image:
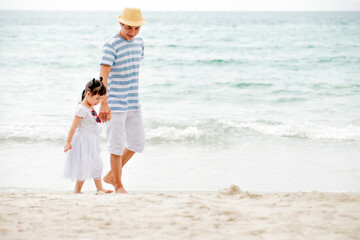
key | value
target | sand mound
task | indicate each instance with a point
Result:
(234, 190)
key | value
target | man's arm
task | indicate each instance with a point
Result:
(105, 112)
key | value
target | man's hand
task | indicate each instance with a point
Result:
(105, 112)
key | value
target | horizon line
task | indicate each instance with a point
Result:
(92, 10)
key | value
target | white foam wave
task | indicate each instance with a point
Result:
(191, 134)
(306, 130)
(33, 132)
(202, 131)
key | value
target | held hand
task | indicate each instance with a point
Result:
(105, 112)
(108, 117)
(67, 147)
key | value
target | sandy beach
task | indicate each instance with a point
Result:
(227, 214)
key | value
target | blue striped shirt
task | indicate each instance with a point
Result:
(123, 82)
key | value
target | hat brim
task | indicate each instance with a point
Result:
(131, 23)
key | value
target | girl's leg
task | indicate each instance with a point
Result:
(78, 186)
(99, 187)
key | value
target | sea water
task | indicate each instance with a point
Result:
(269, 101)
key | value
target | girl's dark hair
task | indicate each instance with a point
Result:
(94, 87)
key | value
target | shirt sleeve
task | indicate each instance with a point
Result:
(142, 50)
(108, 55)
(80, 112)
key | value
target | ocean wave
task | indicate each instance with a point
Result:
(33, 133)
(333, 59)
(208, 131)
(243, 85)
(255, 84)
(203, 131)
(201, 62)
(198, 131)
(290, 99)
(306, 130)
(219, 61)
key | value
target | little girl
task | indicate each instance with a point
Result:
(83, 160)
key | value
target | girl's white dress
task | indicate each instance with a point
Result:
(83, 160)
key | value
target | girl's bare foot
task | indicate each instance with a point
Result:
(78, 186)
(104, 190)
(78, 192)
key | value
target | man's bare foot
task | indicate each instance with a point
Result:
(109, 178)
(121, 190)
(105, 190)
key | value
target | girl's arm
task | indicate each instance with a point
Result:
(71, 133)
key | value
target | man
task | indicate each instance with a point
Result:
(121, 108)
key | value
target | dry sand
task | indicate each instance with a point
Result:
(227, 214)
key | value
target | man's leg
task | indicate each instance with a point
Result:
(135, 138)
(115, 132)
(116, 163)
(125, 158)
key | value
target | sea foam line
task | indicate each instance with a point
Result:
(202, 131)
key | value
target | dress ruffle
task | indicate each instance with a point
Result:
(83, 161)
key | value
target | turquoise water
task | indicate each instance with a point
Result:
(267, 101)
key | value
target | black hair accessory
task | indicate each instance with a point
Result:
(101, 79)
(93, 81)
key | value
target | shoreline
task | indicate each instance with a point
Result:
(226, 214)
(165, 191)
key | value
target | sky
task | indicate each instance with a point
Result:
(184, 5)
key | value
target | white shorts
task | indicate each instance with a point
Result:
(125, 129)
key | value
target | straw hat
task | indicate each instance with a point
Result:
(132, 17)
